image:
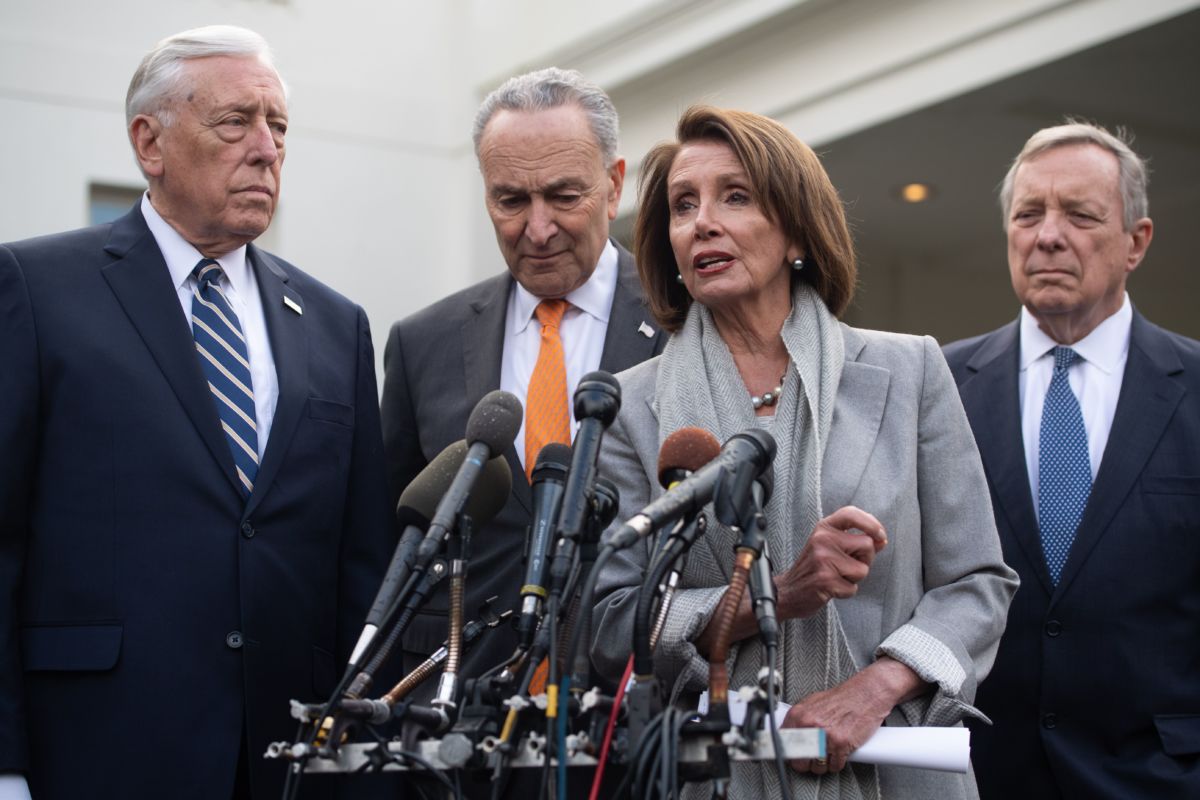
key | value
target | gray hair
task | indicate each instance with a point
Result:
(158, 76)
(1132, 170)
(551, 88)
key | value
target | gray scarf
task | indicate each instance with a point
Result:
(698, 384)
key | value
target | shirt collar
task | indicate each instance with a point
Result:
(594, 297)
(182, 257)
(1105, 347)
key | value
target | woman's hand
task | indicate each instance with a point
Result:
(852, 711)
(836, 557)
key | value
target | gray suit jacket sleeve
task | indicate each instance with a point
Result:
(629, 458)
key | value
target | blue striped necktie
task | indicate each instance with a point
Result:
(222, 350)
(1064, 469)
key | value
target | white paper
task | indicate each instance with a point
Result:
(943, 749)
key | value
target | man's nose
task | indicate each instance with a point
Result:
(540, 227)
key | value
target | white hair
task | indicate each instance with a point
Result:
(1131, 168)
(552, 88)
(158, 77)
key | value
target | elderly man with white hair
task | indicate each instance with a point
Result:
(193, 501)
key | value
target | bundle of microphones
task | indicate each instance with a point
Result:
(539, 708)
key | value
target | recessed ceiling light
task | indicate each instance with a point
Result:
(916, 192)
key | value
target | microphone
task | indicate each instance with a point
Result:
(762, 588)
(753, 450)
(683, 452)
(597, 401)
(549, 484)
(490, 429)
(418, 502)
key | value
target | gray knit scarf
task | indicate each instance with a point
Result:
(698, 384)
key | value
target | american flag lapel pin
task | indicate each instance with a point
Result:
(645, 330)
(293, 305)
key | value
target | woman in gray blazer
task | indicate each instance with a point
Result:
(892, 593)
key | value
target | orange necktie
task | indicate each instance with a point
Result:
(546, 416)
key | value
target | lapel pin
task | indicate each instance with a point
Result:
(645, 330)
(293, 305)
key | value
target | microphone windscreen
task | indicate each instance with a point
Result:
(555, 455)
(421, 497)
(490, 492)
(495, 421)
(687, 449)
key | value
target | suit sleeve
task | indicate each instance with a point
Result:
(401, 441)
(19, 398)
(368, 530)
(955, 629)
(676, 659)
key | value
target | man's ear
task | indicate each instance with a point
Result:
(616, 175)
(145, 133)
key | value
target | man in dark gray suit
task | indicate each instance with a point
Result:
(547, 149)
(1088, 420)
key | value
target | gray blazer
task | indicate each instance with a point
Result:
(901, 448)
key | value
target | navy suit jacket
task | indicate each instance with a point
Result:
(438, 364)
(1096, 688)
(150, 614)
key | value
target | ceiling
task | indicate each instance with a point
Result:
(939, 267)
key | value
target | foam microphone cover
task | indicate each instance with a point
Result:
(490, 493)
(686, 450)
(556, 454)
(420, 498)
(495, 421)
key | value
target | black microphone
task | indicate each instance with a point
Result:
(549, 484)
(753, 449)
(490, 429)
(597, 401)
(418, 502)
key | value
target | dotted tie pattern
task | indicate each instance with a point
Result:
(547, 418)
(222, 350)
(1064, 471)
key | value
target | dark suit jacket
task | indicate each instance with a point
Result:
(1096, 688)
(438, 364)
(149, 613)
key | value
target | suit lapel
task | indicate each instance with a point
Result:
(289, 349)
(626, 342)
(857, 415)
(992, 401)
(1149, 396)
(142, 284)
(483, 355)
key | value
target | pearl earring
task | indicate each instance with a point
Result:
(678, 277)
(798, 264)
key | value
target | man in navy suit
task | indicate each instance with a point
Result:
(1088, 420)
(193, 499)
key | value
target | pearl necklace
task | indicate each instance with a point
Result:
(769, 398)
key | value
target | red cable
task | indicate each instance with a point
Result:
(608, 732)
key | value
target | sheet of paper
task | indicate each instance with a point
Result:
(943, 749)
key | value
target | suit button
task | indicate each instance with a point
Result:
(248, 530)
(1053, 628)
(233, 640)
(1049, 721)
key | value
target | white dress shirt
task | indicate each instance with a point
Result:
(241, 289)
(582, 331)
(1095, 379)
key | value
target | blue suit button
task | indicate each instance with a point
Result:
(248, 530)
(1053, 628)
(233, 640)
(1049, 721)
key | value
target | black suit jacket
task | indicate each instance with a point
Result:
(1096, 688)
(150, 614)
(437, 365)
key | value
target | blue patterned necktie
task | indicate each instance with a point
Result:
(1064, 470)
(222, 350)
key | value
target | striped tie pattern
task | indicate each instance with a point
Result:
(222, 350)
(1064, 468)
(547, 418)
